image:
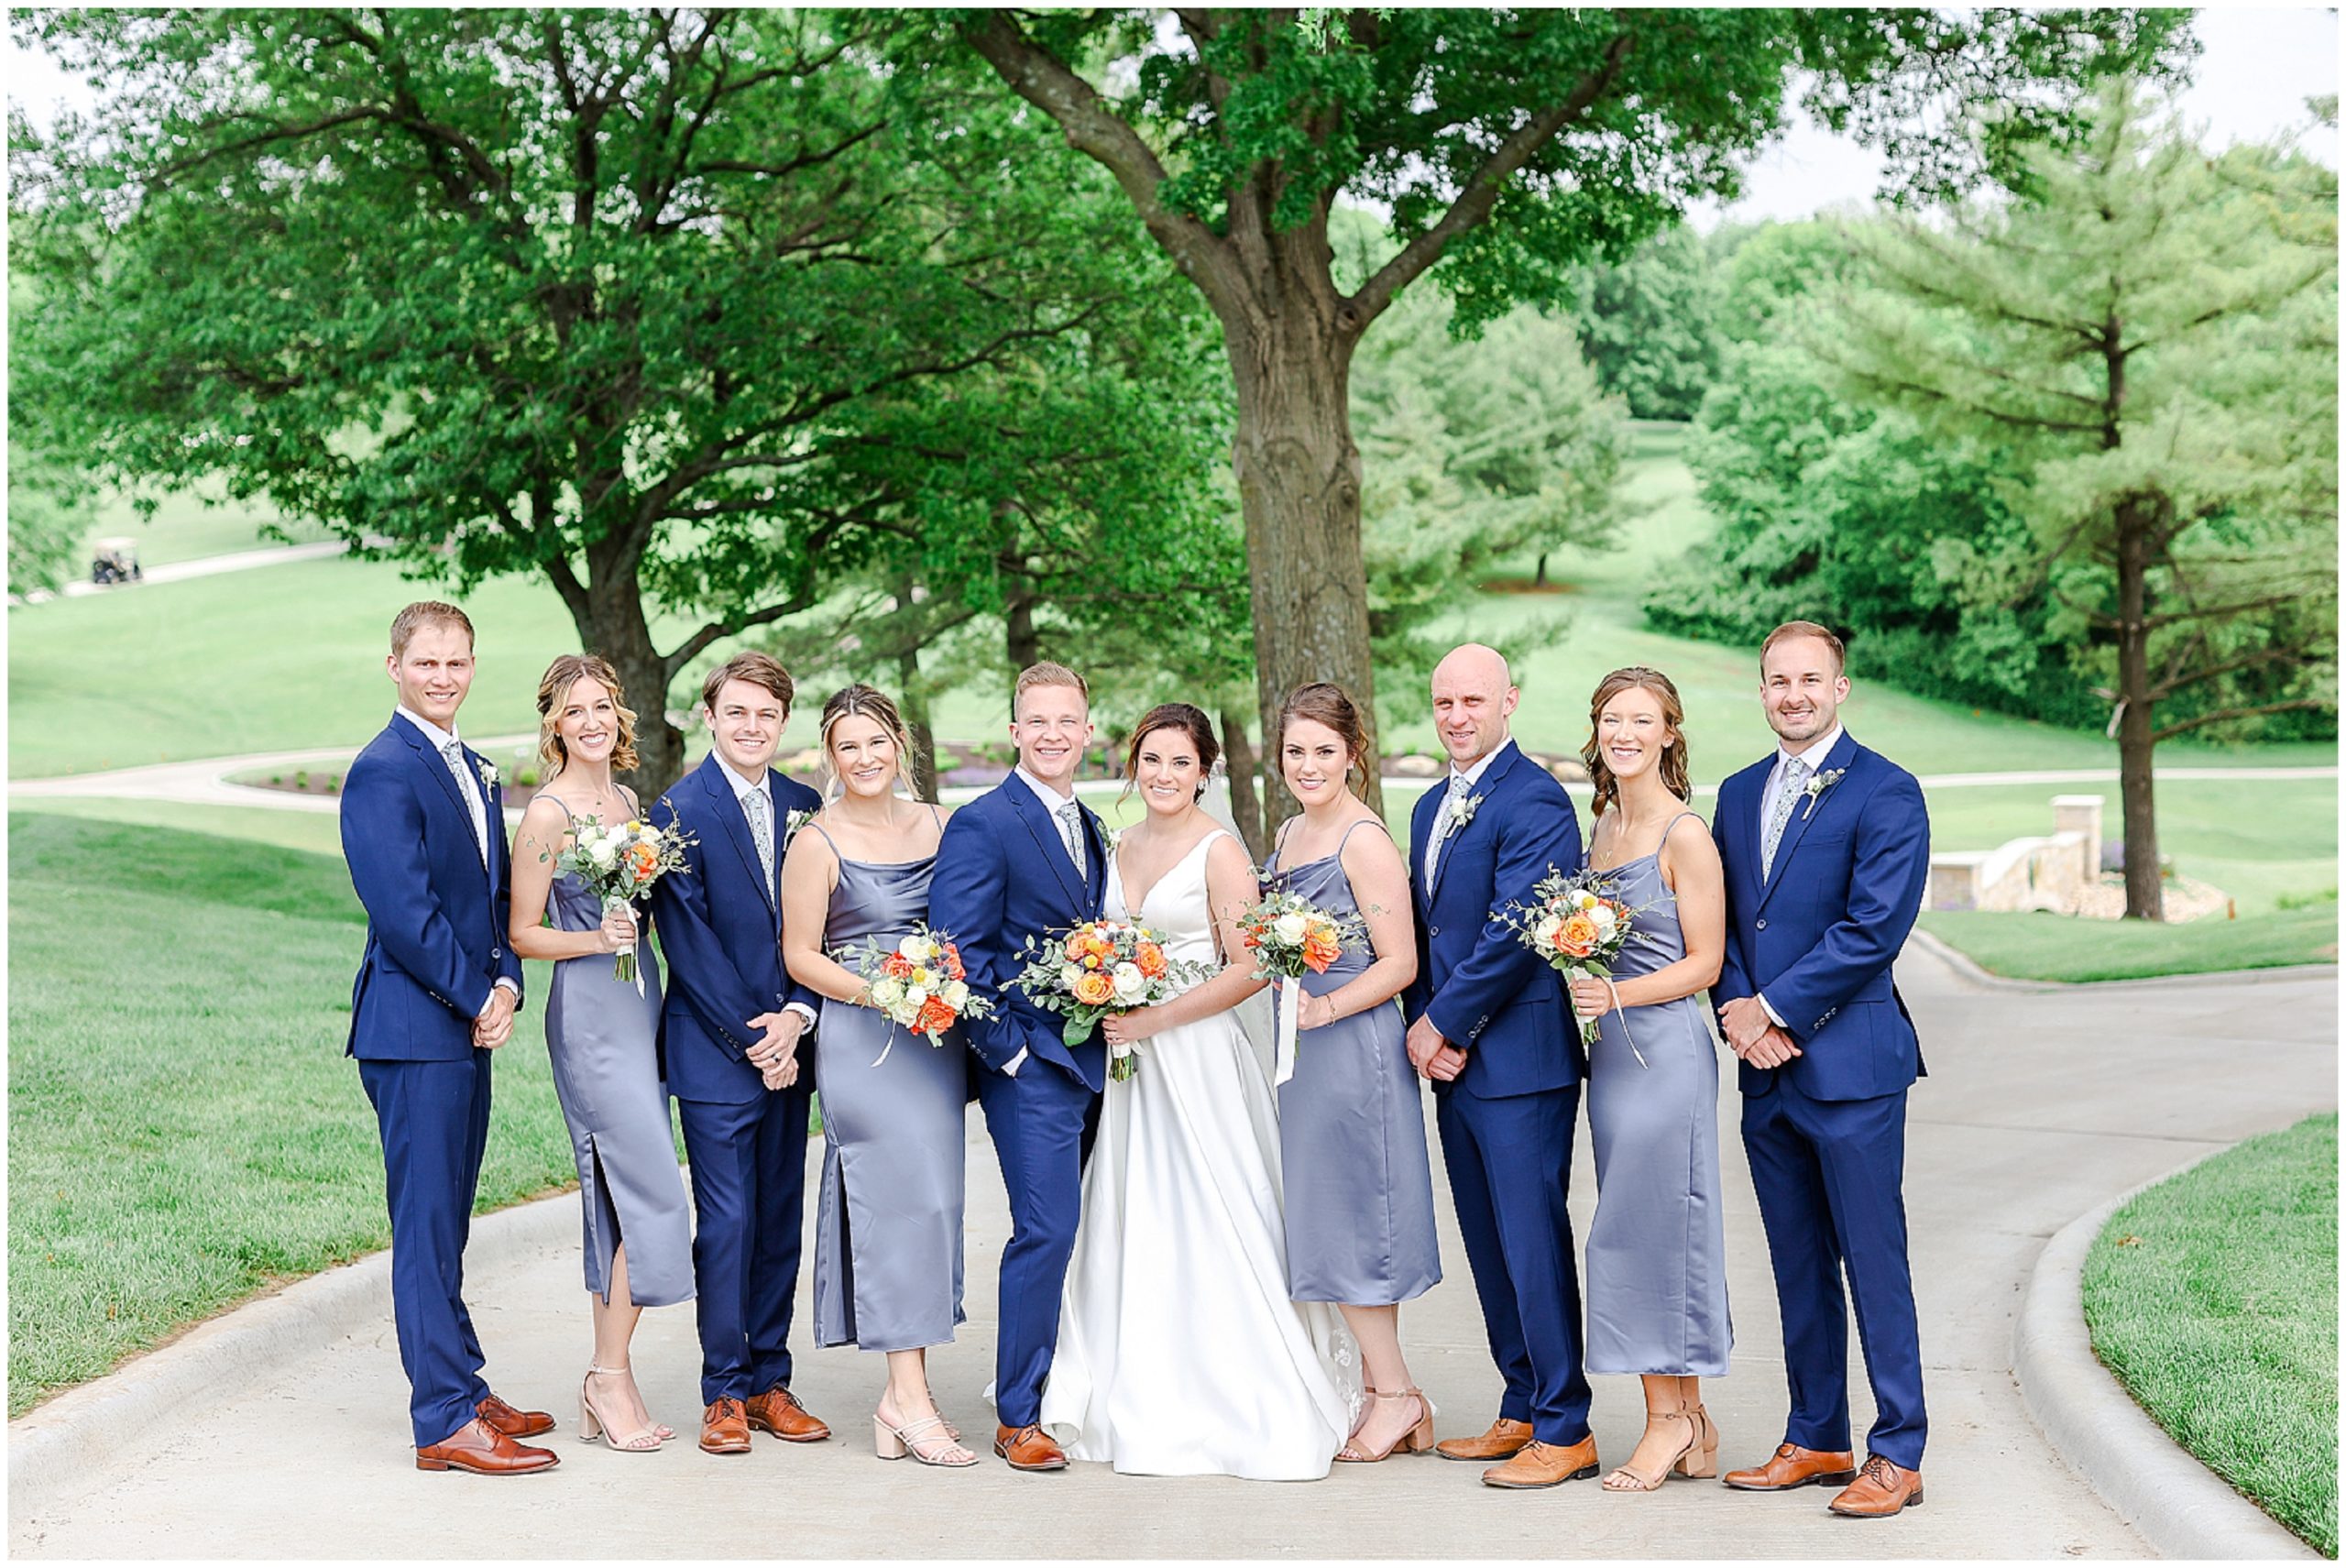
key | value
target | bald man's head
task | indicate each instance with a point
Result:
(1472, 695)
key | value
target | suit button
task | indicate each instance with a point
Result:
(496, 952)
(1433, 930)
(1763, 925)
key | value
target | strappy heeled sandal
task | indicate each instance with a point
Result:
(891, 1442)
(1418, 1438)
(1692, 1459)
(592, 1423)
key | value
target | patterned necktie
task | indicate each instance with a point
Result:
(1071, 831)
(454, 751)
(1453, 798)
(1788, 790)
(752, 806)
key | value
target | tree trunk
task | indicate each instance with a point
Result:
(1018, 634)
(1540, 578)
(1299, 487)
(920, 768)
(1246, 800)
(615, 627)
(2143, 900)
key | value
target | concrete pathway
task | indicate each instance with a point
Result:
(2040, 1106)
(206, 566)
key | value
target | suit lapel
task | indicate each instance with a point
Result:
(727, 807)
(434, 763)
(1796, 827)
(1045, 833)
(1480, 792)
(1095, 842)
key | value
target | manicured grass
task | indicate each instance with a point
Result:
(2030, 946)
(185, 529)
(183, 1127)
(2214, 1299)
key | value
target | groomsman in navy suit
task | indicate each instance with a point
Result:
(1021, 859)
(423, 831)
(729, 1032)
(1827, 848)
(1489, 1024)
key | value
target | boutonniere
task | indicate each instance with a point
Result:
(490, 778)
(1817, 784)
(1462, 816)
(794, 821)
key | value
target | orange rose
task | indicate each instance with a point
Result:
(1579, 937)
(1094, 988)
(898, 967)
(933, 1017)
(953, 963)
(1150, 959)
(1318, 951)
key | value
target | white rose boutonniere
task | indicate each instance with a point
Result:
(794, 822)
(1462, 816)
(490, 778)
(1818, 782)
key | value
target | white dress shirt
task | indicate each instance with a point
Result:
(1472, 776)
(1053, 800)
(475, 801)
(756, 797)
(1813, 754)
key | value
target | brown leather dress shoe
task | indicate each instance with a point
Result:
(724, 1427)
(1028, 1448)
(1540, 1464)
(1792, 1467)
(502, 1417)
(777, 1411)
(1504, 1441)
(482, 1450)
(1881, 1490)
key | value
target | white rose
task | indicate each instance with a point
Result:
(1069, 974)
(648, 834)
(888, 993)
(1605, 919)
(1290, 929)
(1130, 984)
(1551, 930)
(914, 995)
(955, 994)
(602, 851)
(913, 947)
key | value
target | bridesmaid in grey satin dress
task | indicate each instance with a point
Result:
(602, 1035)
(1358, 1185)
(888, 1224)
(1656, 1275)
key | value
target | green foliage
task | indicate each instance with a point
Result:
(696, 308)
(45, 527)
(1649, 324)
(2214, 1297)
(1473, 453)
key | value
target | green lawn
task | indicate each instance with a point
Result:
(183, 1127)
(185, 528)
(2214, 1299)
(2028, 945)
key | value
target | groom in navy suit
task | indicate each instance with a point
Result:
(1021, 859)
(1827, 850)
(423, 831)
(1488, 1023)
(729, 1032)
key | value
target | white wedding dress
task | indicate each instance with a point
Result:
(1179, 1350)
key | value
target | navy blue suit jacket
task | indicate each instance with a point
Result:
(1004, 875)
(1483, 988)
(1819, 937)
(720, 929)
(435, 915)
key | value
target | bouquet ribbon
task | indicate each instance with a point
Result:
(1289, 1000)
(625, 966)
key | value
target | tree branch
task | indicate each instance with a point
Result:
(2296, 705)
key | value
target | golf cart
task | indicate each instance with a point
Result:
(115, 561)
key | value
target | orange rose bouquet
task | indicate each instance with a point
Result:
(1099, 968)
(619, 863)
(1291, 936)
(1577, 924)
(919, 984)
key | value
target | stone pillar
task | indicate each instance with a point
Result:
(2082, 812)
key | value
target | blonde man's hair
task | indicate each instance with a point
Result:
(1792, 629)
(1046, 673)
(421, 614)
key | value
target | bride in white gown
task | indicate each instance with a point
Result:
(1179, 1350)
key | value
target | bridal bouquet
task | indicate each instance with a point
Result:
(917, 983)
(1097, 967)
(1290, 937)
(1576, 925)
(618, 863)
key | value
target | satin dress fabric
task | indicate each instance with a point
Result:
(1358, 1182)
(603, 1040)
(1657, 1249)
(888, 1221)
(1180, 1352)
